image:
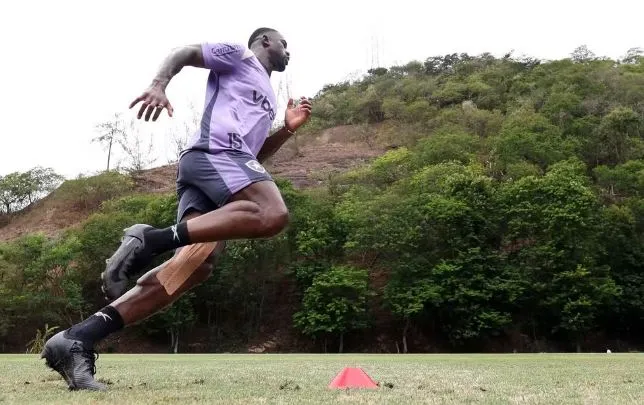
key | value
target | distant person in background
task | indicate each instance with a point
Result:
(224, 192)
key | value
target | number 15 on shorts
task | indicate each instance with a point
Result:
(235, 140)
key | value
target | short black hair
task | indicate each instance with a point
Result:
(257, 33)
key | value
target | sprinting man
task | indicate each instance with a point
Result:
(223, 190)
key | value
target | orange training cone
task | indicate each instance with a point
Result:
(351, 377)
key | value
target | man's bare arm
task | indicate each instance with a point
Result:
(294, 117)
(273, 143)
(189, 55)
(154, 98)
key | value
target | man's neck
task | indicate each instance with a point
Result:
(263, 59)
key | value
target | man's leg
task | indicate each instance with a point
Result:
(148, 296)
(264, 203)
(256, 209)
(71, 352)
(255, 212)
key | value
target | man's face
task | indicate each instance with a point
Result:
(278, 55)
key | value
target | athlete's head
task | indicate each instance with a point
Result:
(270, 47)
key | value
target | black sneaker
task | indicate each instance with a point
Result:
(72, 360)
(126, 262)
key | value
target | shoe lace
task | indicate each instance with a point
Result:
(90, 355)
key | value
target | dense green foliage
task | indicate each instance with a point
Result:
(335, 303)
(19, 189)
(509, 213)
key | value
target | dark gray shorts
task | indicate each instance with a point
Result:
(206, 181)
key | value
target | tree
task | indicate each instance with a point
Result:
(12, 191)
(40, 181)
(174, 320)
(447, 145)
(335, 304)
(109, 132)
(617, 138)
(529, 136)
(179, 136)
(20, 189)
(623, 180)
(138, 155)
(408, 292)
(552, 241)
(474, 297)
(315, 234)
(623, 236)
(177, 318)
(582, 54)
(379, 71)
(393, 107)
(633, 56)
(577, 296)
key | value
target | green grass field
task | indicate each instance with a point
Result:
(303, 379)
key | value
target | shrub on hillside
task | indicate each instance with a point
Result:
(88, 193)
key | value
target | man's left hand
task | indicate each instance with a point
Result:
(296, 116)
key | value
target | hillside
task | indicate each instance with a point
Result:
(331, 150)
(501, 209)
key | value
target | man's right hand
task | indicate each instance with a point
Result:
(154, 100)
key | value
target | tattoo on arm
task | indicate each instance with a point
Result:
(189, 55)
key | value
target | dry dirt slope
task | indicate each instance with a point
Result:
(304, 163)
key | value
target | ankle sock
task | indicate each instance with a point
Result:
(158, 241)
(98, 326)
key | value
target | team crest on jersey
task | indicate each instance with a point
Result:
(254, 165)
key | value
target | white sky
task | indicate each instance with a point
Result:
(66, 65)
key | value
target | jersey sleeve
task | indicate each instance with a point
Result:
(222, 56)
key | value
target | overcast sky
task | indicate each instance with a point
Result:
(67, 65)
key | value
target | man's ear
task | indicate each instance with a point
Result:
(265, 41)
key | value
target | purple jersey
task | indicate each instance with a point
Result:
(240, 102)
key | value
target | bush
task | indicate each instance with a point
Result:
(89, 192)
